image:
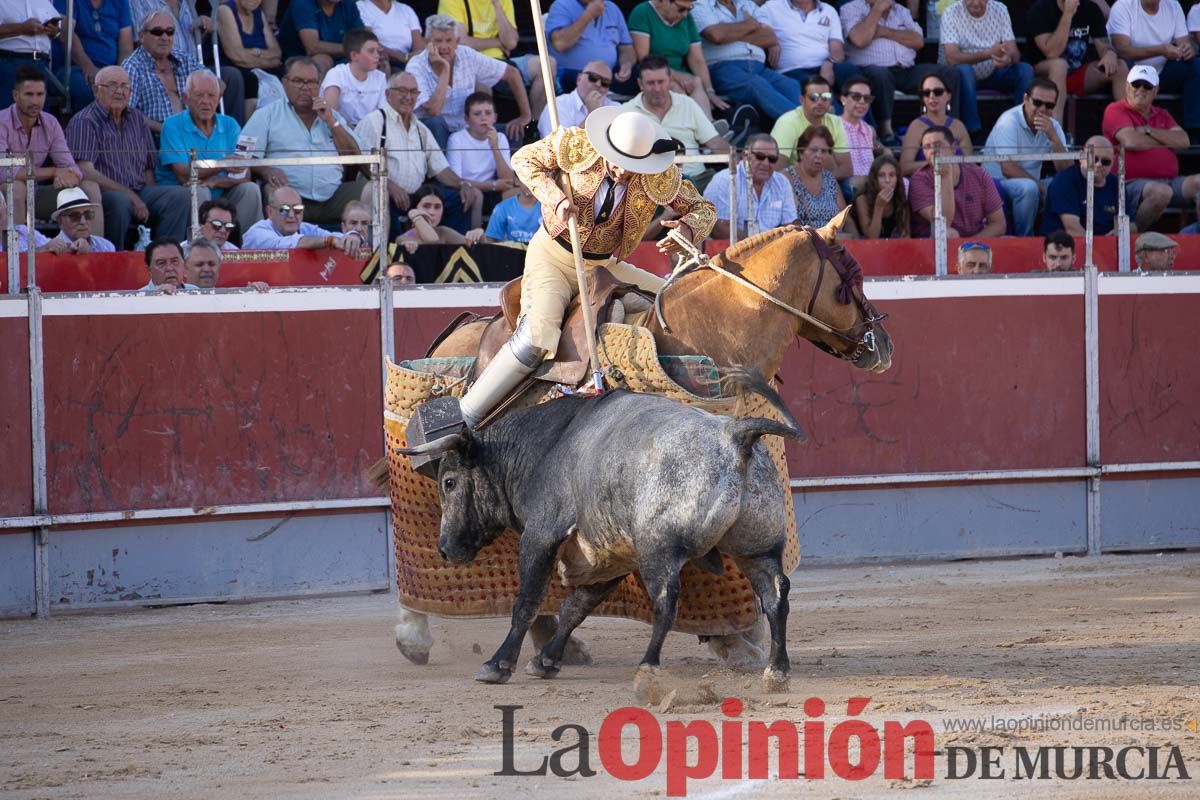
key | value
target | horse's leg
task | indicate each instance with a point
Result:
(743, 651)
(413, 636)
(576, 652)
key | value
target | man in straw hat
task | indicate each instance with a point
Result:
(74, 216)
(620, 169)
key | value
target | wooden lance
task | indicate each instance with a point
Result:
(585, 293)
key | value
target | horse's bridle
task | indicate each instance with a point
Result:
(860, 338)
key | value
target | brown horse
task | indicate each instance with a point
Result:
(714, 315)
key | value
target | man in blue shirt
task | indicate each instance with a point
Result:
(1027, 128)
(103, 37)
(199, 127)
(1066, 199)
(285, 228)
(515, 219)
(765, 198)
(593, 31)
(316, 28)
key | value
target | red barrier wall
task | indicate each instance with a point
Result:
(166, 410)
(127, 271)
(16, 453)
(976, 383)
(1149, 383)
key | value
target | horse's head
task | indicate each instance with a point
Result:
(836, 298)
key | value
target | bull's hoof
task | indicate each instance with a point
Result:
(414, 641)
(775, 681)
(493, 673)
(539, 667)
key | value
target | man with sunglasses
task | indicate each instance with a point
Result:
(1066, 199)
(1154, 33)
(765, 199)
(590, 93)
(1024, 130)
(216, 222)
(285, 228)
(974, 258)
(156, 74)
(816, 101)
(74, 217)
(1151, 137)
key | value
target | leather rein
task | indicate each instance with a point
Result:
(860, 338)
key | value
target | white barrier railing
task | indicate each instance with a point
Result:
(376, 159)
(11, 250)
(730, 160)
(939, 219)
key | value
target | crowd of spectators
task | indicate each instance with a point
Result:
(805, 90)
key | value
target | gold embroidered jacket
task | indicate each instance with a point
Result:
(567, 151)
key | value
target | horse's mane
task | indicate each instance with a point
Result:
(758, 240)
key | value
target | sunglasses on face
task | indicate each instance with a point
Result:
(160, 31)
(1145, 86)
(765, 157)
(936, 92)
(816, 96)
(600, 79)
(286, 210)
(1104, 162)
(76, 216)
(859, 97)
(220, 225)
(1047, 105)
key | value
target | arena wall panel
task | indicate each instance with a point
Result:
(1150, 513)
(266, 556)
(17, 594)
(16, 455)
(163, 410)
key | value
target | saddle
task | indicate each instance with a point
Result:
(570, 363)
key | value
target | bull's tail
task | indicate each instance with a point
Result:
(747, 431)
(752, 381)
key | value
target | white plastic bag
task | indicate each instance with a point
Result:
(270, 88)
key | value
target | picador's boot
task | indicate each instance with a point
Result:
(438, 425)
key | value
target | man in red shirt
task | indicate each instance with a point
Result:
(1151, 137)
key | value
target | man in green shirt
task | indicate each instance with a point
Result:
(816, 99)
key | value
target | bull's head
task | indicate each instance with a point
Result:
(472, 506)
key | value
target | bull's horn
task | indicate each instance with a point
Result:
(443, 445)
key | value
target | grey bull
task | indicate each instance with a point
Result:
(629, 473)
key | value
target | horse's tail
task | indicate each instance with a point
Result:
(752, 381)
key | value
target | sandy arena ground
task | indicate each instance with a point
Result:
(310, 698)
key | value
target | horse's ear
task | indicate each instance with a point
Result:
(829, 232)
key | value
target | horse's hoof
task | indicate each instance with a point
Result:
(493, 673)
(775, 681)
(576, 653)
(414, 642)
(539, 667)
(737, 652)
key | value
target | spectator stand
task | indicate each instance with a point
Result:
(376, 160)
(11, 249)
(939, 219)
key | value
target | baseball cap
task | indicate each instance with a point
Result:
(1143, 72)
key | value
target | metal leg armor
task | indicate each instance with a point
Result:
(437, 425)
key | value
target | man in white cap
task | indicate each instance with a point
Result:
(74, 216)
(620, 170)
(1151, 137)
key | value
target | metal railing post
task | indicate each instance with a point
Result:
(733, 196)
(1089, 225)
(387, 345)
(380, 226)
(194, 194)
(37, 427)
(30, 250)
(11, 256)
(939, 222)
(1122, 214)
